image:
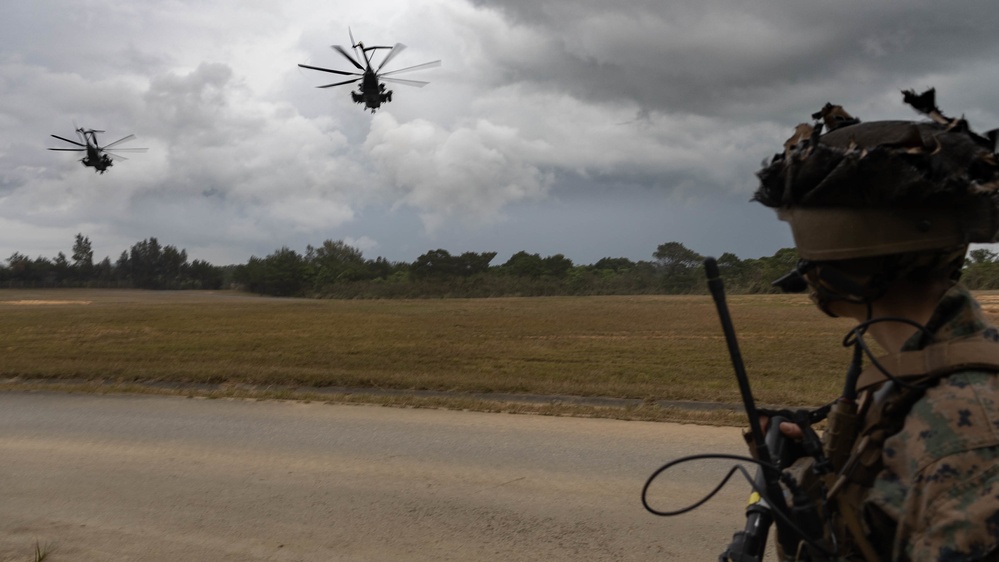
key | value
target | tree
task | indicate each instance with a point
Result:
(103, 274)
(523, 264)
(381, 268)
(617, 265)
(123, 269)
(731, 269)
(149, 265)
(144, 262)
(471, 263)
(981, 269)
(436, 263)
(83, 256)
(60, 269)
(981, 255)
(334, 262)
(204, 275)
(759, 274)
(674, 256)
(557, 265)
(280, 274)
(172, 268)
(680, 267)
(20, 269)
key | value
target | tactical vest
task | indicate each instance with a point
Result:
(856, 433)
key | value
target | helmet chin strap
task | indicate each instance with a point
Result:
(829, 285)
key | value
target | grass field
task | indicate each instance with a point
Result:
(649, 347)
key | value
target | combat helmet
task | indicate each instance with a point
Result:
(882, 198)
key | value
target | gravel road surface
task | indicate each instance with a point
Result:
(126, 477)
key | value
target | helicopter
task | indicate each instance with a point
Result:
(98, 157)
(372, 91)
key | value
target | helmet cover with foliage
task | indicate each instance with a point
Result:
(885, 195)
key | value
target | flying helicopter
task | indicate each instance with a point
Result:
(98, 157)
(372, 91)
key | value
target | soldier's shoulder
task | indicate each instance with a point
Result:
(960, 413)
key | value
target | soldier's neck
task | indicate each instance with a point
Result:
(915, 302)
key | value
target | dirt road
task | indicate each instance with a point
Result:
(123, 477)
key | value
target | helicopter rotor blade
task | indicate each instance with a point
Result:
(395, 51)
(416, 83)
(340, 83)
(115, 156)
(343, 52)
(70, 149)
(343, 72)
(430, 64)
(129, 149)
(353, 44)
(119, 141)
(69, 141)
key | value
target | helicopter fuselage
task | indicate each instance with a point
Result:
(99, 163)
(373, 93)
(95, 158)
(371, 90)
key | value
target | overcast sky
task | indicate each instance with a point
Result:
(582, 127)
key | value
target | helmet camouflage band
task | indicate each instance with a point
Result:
(884, 187)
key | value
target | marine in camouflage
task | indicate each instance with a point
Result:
(937, 498)
(873, 205)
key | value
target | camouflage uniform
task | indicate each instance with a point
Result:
(869, 205)
(938, 493)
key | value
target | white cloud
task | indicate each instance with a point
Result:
(471, 172)
(570, 106)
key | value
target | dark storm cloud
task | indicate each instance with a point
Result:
(742, 61)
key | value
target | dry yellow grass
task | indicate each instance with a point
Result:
(646, 347)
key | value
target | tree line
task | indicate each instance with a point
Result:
(335, 269)
(146, 265)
